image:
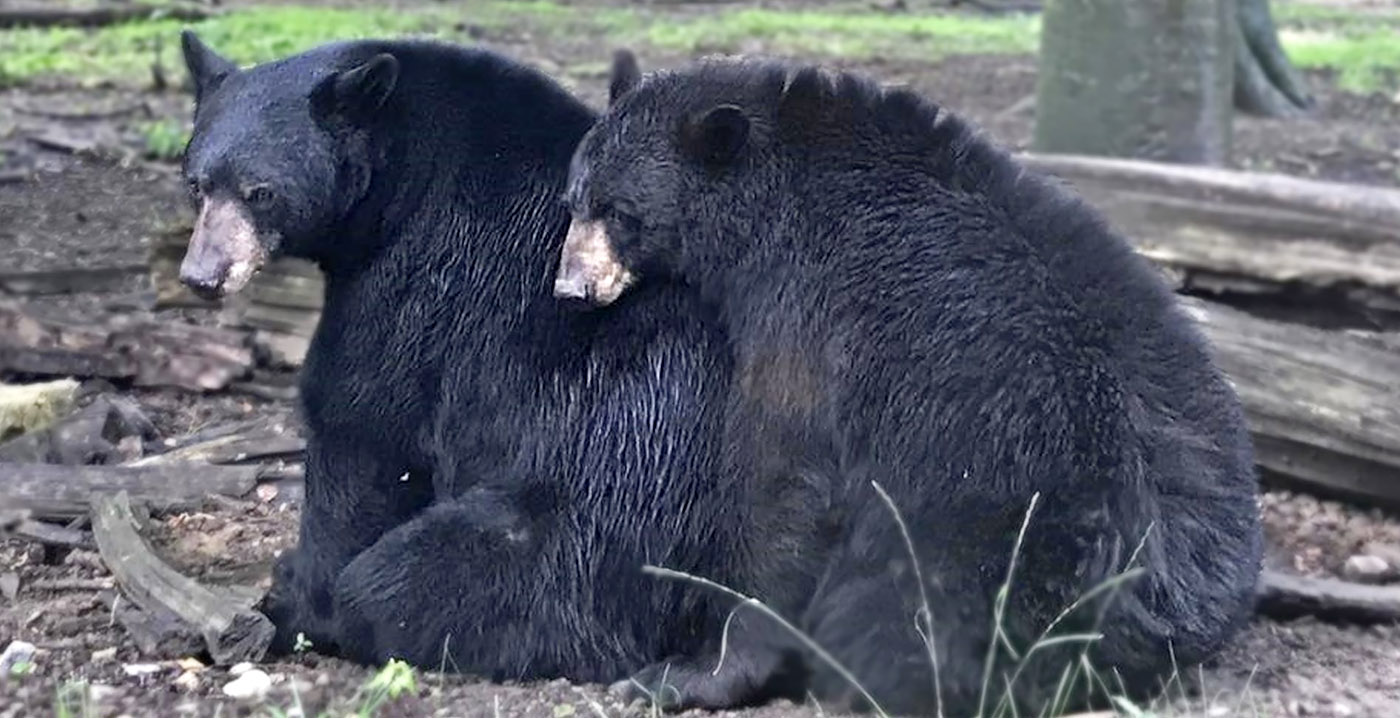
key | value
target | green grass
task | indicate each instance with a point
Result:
(72, 700)
(1332, 16)
(128, 51)
(1360, 46)
(165, 139)
(854, 35)
(1364, 62)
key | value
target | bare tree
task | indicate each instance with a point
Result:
(1157, 79)
(1266, 83)
(1152, 79)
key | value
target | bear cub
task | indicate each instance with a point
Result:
(914, 315)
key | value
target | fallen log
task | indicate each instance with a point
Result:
(147, 353)
(281, 305)
(232, 631)
(167, 251)
(52, 534)
(1285, 596)
(41, 16)
(61, 492)
(69, 281)
(1323, 406)
(258, 445)
(1251, 232)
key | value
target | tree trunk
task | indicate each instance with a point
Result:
(1149, 79)
(1265, 81)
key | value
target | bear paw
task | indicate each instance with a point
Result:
(679, 683)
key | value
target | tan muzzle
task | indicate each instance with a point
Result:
(588, 267)
(224, 251)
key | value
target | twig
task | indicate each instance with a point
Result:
(72, 584)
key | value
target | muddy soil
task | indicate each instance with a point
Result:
(85, 196)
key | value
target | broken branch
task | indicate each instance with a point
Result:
(231, 629)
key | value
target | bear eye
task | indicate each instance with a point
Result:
(627, 221)
(258, 195)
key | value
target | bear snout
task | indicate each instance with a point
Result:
(588, 267)
(224, 251)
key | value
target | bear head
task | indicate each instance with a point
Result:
(278, 156)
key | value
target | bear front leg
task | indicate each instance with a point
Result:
(456, 587)
(355, 493)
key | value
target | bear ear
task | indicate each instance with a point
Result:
(206, 67)
(625, 75)
(716, 136)
(801, 103)
(356, 94)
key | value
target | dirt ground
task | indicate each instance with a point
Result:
(82, 195)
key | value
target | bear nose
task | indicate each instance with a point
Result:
(206, 287)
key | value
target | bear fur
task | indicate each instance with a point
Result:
(912, 312)
(488, 469)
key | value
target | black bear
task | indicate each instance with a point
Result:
(488, 469)
(912, 312)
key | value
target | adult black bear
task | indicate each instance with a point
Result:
(908, 306)
(488, 469)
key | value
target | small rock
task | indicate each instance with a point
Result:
(188, 681)
(252, 686)
(142, 669)
(99, 692)
(16, 656)
(9, 585)
(239, 669)
(266, 492)
(104, 655)
(130, 448)
(1364, 568)
(1388, 552)
(1341, 709)
(1217, 712)
(190, 664)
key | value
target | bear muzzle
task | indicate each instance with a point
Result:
(588, 267)
(224, 251)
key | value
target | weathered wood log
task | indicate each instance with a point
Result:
(1284, 596)
(158, 633)
(1323, 406)
(69, 281)
(55, 492)
(52, 534)
(259, 445)
(147, 353)
(167, 251)
(284, 320)
(283, 350)
(42, 16)
(281, 305)
(288, 289)
(1246, 230)
(231, 629)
